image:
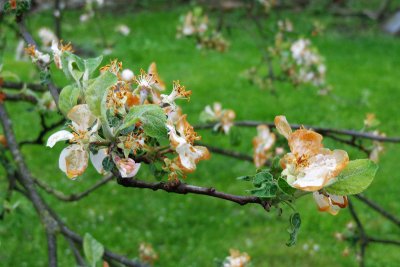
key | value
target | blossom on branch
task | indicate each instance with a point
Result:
(262, 145)
(309, 166)
(236, 259)
(223, 117)
(74, 158)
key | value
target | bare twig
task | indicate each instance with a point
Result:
(320, 130)
(182, 188)
(228, 153)
(73, 197)
(19, 86)
(363, 238)
(379, 209)
(45, 129)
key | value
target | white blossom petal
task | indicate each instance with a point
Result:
(73, 160)
(97, 160)
(62, 135)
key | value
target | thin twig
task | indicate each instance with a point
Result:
(73, 197)
(379, 209)
(228, 153)
(320, 130)
(182, 188)
(19, 85)
(39, 140)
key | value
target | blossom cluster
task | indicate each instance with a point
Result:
(223, 118)
(236, 259)
(298, 59)
(195, 24)
(120, 120)
(310, 167)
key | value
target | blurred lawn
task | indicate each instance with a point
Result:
(194, 230)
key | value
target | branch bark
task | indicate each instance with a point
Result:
(321, 130)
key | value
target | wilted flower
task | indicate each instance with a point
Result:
(182, 137)
(47, 36)
(236, 259)
(377, 149)
(74, 158)
(371, 121)
(330, 203)
(262, 144)
(309, 166)
(36, 55)
(178, 92)
(147, 253)
(223, 117)
(127, 167)
(58, 49)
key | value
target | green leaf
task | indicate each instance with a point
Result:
(295, 223)
(267, 190)
(68, 98)
(96, 91)
(244, 178)
(355, 178)
(285, 187)
(152, 117)
(90, 65)
(93, 249)
(261, 178)
(73, 66)
(108, 164)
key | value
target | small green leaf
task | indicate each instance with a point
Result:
(90, 65)
(267, 190)
(96, 91)
(68, 98)
(295, 223)
(244, 178)
(354, 179)
(152, 117)
(73, 66)
(108, 164)
(261, 178)
(93, 249)
(285, 187)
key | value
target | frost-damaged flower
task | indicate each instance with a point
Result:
(74, 158)
(262, 144)
(147, 253)
(330, 203)
(150, 84)
(236, 259)
(47, 36)
(58, 49)
(309, 166)
(182, 137)
(36, 55)
(223, 117)
(178, 92)
(127, 167)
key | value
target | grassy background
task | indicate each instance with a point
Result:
(194, 230)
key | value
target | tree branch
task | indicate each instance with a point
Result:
(182, 188)
(320, 130)
(378, 208)
(73, 197)
(30, 41)
(19, 86)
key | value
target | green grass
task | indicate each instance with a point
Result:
(194, 230)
